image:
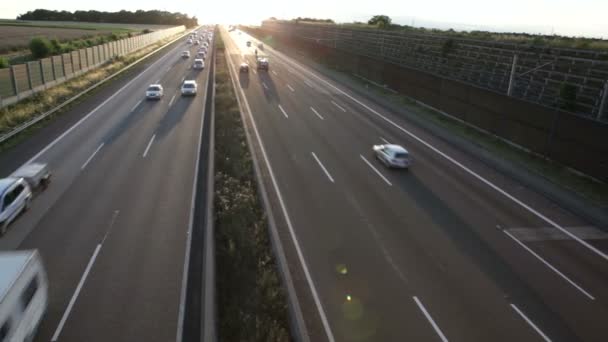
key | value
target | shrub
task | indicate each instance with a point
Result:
(40, 47)
(56, 46)
(3, 63)
(113, 37)
(146, 31)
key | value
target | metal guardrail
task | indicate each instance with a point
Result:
(44, 115)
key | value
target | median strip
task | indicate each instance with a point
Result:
(251, 300)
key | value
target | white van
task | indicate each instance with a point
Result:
(23, 295)
(15, 197)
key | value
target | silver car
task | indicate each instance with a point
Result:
(155, 91)
(15, 197)
(189, 87)
(393, 155)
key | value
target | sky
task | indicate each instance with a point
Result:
(565, 17)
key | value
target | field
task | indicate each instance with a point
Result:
(16, 34)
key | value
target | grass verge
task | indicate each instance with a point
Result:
(27, 109)
(592, 190)
(251, 301)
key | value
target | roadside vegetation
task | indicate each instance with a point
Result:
(23, 111)
(594, 191)
(251, 301)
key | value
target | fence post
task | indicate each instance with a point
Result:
(512, 78)
(14, 81)
(603, 102)
(29, 75)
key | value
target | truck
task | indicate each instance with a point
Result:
(23, 295)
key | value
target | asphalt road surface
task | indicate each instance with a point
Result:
(448, 250)
(112, 227)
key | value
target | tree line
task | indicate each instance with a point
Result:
(154, 17)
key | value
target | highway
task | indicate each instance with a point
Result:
(449, 250)
(112, 228)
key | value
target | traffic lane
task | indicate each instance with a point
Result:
(140, 262)
(67, 157)
(333, 152)
(344, 252)
(592, 263)
(57, 226)
(11, 159)
(315, 210)
(469, 209)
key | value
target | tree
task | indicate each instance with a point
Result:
(382, 21)
(40, 47)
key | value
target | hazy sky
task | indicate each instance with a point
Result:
(568, 17)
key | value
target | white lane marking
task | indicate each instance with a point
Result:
(290, 88)
(91, 157)
(315, 295)
(136, 105)
(290, 70)
(255, 72)
(114, 216)
(274, 72)
(75, 295)
(549, 265)
(183, 79)
(308, 83)
(375, 170)
(457, 163)
(430, 319)
(337, 105)
(283, 111)
(530, 323)
(322, 167)
(119, 91)
(148, 147)
(315, 111)
(169, 67)
(384, 140)
(157, 81)
(171, 102)
(264, 85)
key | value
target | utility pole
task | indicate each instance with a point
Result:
(512, 78)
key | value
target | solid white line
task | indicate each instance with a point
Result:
(308, 83)
(134, 107)
(549, 265)
(385, 141)
(282, 110)
(430, 319)
(315, 111)
(264, 85)
(91, 157)
(322, 167)
(149, 144)
(75, 295)
(292, 233)
(171, 102)
(457, 163)
(530, 323)
(119, 91)
(376, 170)
(290, 88)
(337, 105)
(274, 72)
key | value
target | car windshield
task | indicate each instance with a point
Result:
(188, 85)
(155, 88)
(401, 155)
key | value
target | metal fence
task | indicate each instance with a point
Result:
(540, 73)
(23, 80)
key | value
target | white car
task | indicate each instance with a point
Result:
(189, 41)
(15, 197)
(185, 54)
(189, 87)
(198, 64)
(155, 91)
(201, 54)
(393, 155)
